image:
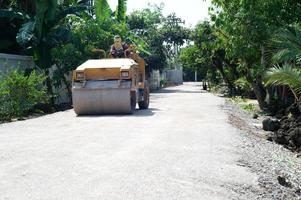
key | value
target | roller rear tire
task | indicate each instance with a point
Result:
(133, 101)
(145, 103)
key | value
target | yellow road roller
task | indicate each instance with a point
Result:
(110, 86)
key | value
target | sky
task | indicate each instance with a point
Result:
(191, 11)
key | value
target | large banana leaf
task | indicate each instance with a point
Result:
(102, 9)
(26, 33)
(121, 10)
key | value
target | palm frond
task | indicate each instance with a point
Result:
(285, 45)
(286, 76)
(102, 9)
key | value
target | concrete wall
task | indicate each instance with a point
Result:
(154, 80)
(8, 61)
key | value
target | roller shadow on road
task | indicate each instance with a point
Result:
(138, 113)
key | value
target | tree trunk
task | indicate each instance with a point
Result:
(49, 87)
(258, 88)
(219, 66)
(263, 61)
(260, 93)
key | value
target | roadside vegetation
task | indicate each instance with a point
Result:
(20, 92)
(252, 49)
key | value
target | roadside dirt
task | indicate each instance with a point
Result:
(278, 169)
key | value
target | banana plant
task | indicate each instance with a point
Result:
(44, 31)
(103, 10)
(10, 21)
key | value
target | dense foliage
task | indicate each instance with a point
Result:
(163, 36)
(19, 93)
(243, 41)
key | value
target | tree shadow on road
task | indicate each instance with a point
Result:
(165, 90)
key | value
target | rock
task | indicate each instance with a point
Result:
(279, 137)
(279, 116)
(298, 192)
(14, 120)
(255, 116)
(296, 137)
(282, 181)
(289, 134)
(294, 110)
(299, 119)
(270, 124)
(270, 138)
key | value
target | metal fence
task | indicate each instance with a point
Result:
(174, 76)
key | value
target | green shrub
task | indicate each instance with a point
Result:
(249, 107)
(237, 100)
(245, 86)
(163, 82)
(20, 93)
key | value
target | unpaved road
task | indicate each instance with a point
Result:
(181, 148)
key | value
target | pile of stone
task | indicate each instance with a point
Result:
(286, 130)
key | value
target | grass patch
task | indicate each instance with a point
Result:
(246, 104)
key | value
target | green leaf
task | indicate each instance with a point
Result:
(121, 10)
(285, 76)
(26, 33)
(74, 10)
(140, 43)
(285, 45)
(102, 10)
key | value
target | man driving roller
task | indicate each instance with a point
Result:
(118, 49)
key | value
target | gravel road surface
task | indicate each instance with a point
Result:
(183, 147)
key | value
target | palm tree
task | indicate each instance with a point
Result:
(286, 75)
(285, 45)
